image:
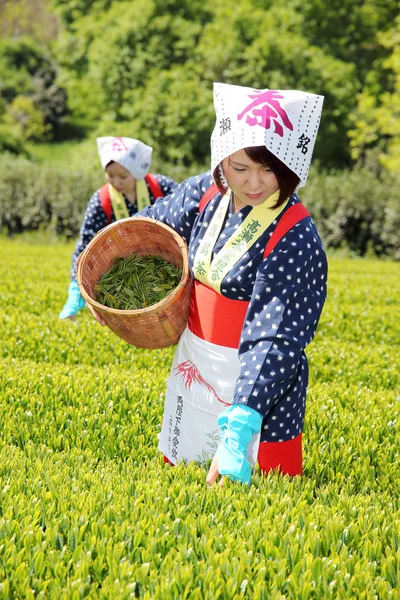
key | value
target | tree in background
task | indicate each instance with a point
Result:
(32, 105)
(147, 66)
(271, 50)
(31, 18)
(377, 119)
(151, 63)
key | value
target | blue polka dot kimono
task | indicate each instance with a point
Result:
(286, 292)
(95, 217)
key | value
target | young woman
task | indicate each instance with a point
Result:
(238, 382)
(130, 188)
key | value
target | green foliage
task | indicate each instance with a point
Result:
(348, 30)
(38, 197)
(66, 153)
(88, 510)
(156, 75)
(29, 95)
(188, 129)
(357, 209)
(11, 140)
(154, 69)
(146, 67)
(377, 119)
(137, 281)
(72, 10)
(30, 120)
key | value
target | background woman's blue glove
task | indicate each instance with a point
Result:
(74, 301)
(238, 423)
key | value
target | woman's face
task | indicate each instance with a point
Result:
(250, 182)
(120, 178)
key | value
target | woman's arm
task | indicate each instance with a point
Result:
(286, 304)
(166, 184)
(287, 300)
(180, 209)
(94, 220)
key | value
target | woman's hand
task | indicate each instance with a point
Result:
(98, 318)
(237, 424)
(213, 473)
(74, 303)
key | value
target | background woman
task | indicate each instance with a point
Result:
(130, 188)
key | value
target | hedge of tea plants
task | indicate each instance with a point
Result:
(357, 210)
(88, 509)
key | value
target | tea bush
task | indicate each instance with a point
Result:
(88, 509)
(39, 197)
(358, 210)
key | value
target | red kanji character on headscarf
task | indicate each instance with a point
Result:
(118, 145)
(270, 110)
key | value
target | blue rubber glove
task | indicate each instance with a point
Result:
(238, 423)
(74, 301)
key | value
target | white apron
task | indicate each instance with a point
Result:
(200, 387)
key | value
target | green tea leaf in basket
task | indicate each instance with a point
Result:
(137, 282)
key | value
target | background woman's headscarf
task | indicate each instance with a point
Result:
(131, 154)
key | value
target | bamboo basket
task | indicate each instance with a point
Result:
(157, 326)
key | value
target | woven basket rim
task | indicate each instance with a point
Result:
(140, 311)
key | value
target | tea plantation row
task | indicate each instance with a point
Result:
(88, 510)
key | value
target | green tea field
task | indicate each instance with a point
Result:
(88, 509)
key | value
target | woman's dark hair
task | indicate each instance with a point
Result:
(287, 180)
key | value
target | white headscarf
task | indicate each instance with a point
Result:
(131, 154)
(284, 121)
